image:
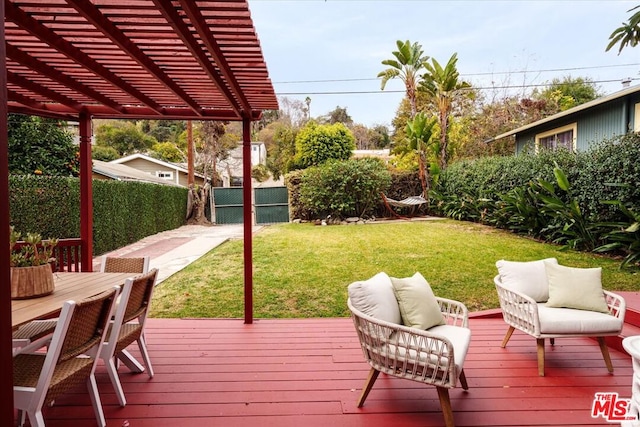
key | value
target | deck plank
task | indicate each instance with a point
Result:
(309, 372)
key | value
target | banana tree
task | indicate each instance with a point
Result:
(419, 131)
(408, 63)
(442, 85)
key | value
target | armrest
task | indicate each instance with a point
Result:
(617, 305)
(454, 312)
(518, 309)
(405, 352)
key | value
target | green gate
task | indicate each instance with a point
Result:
(227, 203)
(272, 205)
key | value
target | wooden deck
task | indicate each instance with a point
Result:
(309, 372)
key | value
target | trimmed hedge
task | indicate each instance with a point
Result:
(570, 205)
(123, 212)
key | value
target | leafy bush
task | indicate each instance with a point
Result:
(316, 144)
(344, 188)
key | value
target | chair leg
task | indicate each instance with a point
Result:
(463, 380)
(130, 361)
(445, 404)
(368, 385)
(605, 353)
(507, 337)
(95, 400)
(112, 370)
(142, 345)
(540, 345)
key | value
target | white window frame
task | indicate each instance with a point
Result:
(636, 118)
(572, 126)
(168, 175)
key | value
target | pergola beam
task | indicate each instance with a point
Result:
(28, 61)
(192, 44)
(93, 15)
(24, 83)
(49, 37)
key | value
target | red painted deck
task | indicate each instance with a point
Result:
(309, 372)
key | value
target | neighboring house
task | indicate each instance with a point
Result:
(230, 169)
(106, 170)
(579, 127)
(160, 169)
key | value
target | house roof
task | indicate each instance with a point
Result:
(151, 59)
(571, 111)
(126, 173)
(150, 159)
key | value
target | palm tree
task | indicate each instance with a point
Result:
(627, 34)
(407, 66)
(442, 86)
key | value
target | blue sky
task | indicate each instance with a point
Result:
(314, 47)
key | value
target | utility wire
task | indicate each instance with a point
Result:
(365, 92)
(594, 67)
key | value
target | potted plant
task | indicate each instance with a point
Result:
(31, 272)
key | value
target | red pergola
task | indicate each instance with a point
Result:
(128, 59)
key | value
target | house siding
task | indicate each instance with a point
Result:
(593, 125)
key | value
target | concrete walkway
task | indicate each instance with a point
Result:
(172, 250)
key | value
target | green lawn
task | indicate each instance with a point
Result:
(302, 270)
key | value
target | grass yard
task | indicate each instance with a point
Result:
(302, 270)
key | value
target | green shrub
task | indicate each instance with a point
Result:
(344, 188)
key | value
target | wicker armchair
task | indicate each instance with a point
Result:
(524, 308)
(111, 264)
(71, 358)
(127, 327)
(434, 356)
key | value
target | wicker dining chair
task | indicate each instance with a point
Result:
(39, 378)
(111, 264)
(128, 327)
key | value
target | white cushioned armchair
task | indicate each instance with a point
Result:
(546, 300)
(430, 347)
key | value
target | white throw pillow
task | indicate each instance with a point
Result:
(374, 297)
(529, 277)
(579, 288)
(418, 306)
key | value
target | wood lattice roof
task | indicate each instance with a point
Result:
(156, 59)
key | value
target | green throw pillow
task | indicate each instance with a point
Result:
(418, 306)
(579, 288)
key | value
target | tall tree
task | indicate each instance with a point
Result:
(418, 132)
(315, 144)
(41, 146)
(443, 86)
(410, 61)
(628, 34)
(568, 92)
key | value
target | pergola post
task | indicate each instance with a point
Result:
(248, 220)
(6, 385)
(86, 193)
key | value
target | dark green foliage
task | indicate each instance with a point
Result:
(104, 153)
(344, 188)
(123, 212)
(530, 194)
(41, 146)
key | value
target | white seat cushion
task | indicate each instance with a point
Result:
(458, 336)
(572, 321)
(374, 297)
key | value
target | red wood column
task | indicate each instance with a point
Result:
(6, 385)
(86, 193)
(248, 220)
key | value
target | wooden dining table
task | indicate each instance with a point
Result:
(68, 286)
